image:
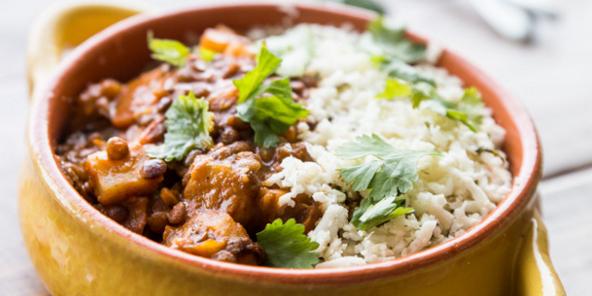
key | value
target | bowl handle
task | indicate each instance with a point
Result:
(64, 26)
(535, 273)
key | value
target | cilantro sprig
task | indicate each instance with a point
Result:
(398, 69)
(393, 52)
(295, 48)
(392, 43)
(268, 107)
(420, 92)
(287, 246)
(391, 174)
(174, 52)
(371, 214)
(188, 124)
(167, 50)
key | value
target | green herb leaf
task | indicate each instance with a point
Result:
(367, 4)
(169, 51)
(472, 97)
(395, 89)
(495, 153)
(270, 116)
(206, 54)
(393, 43)
(295, 48)
(398, 69)
(393, 173)
(370, 214)
(287, 246)
(188, 124)
(247, 86)
(422, 91)
(462, 117)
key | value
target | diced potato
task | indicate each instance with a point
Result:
(214, 235)
(205, 249)
(138, 96)
(215, 40)
(236, 49)
(219, 39)
(223, 185)
(115, 180)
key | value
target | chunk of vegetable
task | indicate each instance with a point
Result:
(115, 180)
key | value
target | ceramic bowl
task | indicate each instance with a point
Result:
(78, 251)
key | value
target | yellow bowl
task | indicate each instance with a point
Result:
(78, 251)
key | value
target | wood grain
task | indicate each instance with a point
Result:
(550, 76)
(567, 204)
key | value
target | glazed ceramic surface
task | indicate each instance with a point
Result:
(78, 251)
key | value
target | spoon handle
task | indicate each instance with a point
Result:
(507, 20)
(546, 8)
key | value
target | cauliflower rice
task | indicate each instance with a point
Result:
(454, 192)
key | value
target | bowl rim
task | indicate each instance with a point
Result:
(523, 187)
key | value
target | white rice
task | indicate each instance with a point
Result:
(454, 192)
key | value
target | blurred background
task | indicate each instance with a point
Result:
(538, 50)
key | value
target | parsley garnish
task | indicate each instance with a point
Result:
(395, 89)
(295, 48)
(370, 214)
(188, 124)
(393, 173)
(422, 91)
(270, 116)
(393, 43)
(401, 70)
(167, 50)
(175, 52)
(206, 54)
(287, 246)
(472, 97)
(392, 52)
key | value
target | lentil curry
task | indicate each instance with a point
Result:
(210, 202)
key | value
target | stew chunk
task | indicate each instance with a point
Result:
(114, 180)
(223, 181)
(214, 235)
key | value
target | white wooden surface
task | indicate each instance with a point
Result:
(550, 76)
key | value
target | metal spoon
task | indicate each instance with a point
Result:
(545, 8)
(510, 21)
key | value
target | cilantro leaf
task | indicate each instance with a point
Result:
(395, 89)
(206, 54)
(370, 214)
(495, 153)
(463, 118)
(423, 91)
(269, 116)
(247, 86)
(398, 69)
(167, 50)
(287, 246)
(393, 173)
(393, 43)
(188, 124)
(295, 48)
(472, 97)
(367, 4)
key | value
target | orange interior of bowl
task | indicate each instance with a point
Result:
(120, 52)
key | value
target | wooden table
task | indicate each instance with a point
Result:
(551, 76)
